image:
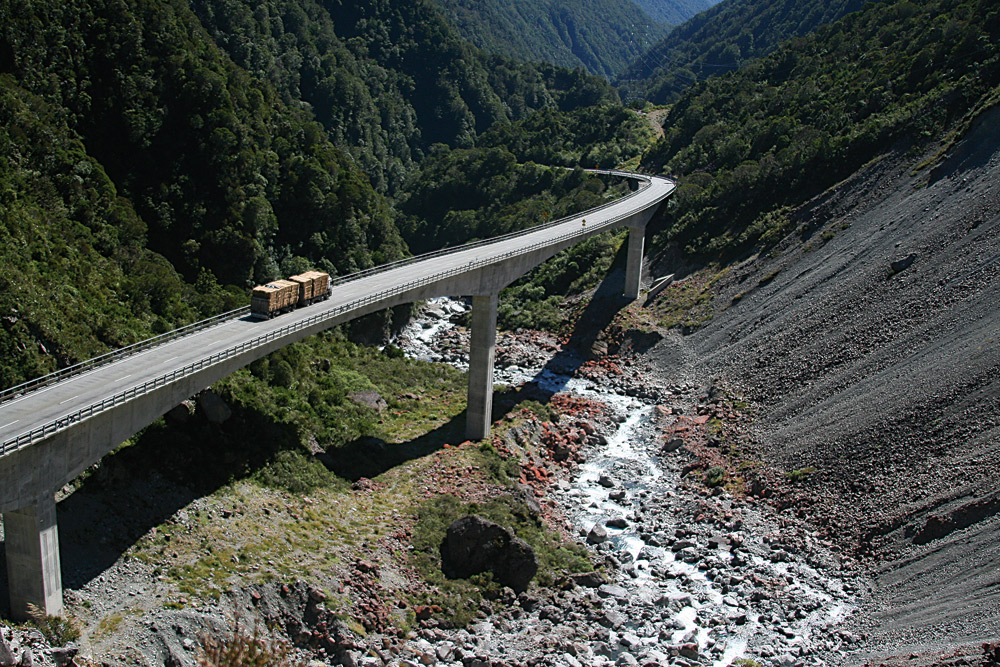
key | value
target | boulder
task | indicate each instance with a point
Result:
(902, 263)
(588, 579)
(215, 409)
(7, 657)
(672, 445)
(474, 544)
(370, 399)
(597, 534)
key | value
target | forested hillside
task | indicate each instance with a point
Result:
(749, 145)
(673, 12)
(153, 155)
(723, 39)
(602, 36)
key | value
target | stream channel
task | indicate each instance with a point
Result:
(695, 577)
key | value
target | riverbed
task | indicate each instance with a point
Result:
(693, 574)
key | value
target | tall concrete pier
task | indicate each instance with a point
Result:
(481, 351)
(633, 270)
(31, 537)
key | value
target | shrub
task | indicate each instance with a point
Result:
(715, 475)
(58, 631)
(241, 650)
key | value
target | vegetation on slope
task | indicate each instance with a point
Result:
(723, 39)
(171, 153)
(386, 80)
(465, 195)
(749, 145)
(597, 136)
(77, 276)
(673, 12)
(601, 36)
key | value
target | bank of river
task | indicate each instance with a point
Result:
(694, 575)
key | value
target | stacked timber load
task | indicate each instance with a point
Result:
(306, 289)
(274, 297)
(313, 285)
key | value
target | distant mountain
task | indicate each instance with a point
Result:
(722, 39)
(601, 36)
(673, 12)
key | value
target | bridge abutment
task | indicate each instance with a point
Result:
(633, 269)
(479, 411)
(31, 538)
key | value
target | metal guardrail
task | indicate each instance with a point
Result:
(61, 423)
(114, 355)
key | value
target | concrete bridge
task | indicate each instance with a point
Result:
(55, 428)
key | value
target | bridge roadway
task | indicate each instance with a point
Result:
(50, 435)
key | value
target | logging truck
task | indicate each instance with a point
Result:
(281, 296)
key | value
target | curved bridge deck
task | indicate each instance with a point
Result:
(51, 434)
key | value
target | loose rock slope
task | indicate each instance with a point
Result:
(868, 345)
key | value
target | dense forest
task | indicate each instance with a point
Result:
(673, 12)
(161, 157)
(157, 161)
(723, 39)
(601, 36)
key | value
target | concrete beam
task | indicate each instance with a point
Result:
(479, 413)
(31, 538)
(633, 270)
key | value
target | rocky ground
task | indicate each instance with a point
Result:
(691, 570)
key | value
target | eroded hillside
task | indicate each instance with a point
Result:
(867, 342)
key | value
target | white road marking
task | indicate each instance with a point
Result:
(124, 378)
(10, 423)
(69, 399)
(169, 360)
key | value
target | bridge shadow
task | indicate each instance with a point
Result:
(159, 472)
(371, 456)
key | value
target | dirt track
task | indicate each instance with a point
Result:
(887, 382)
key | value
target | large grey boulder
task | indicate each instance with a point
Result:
(215, 410)
(474, 544)
(7, 657)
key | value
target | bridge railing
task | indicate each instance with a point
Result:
(645, 183)
(61, 423)
(115, 355)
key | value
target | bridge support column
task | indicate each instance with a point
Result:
(31, 539)
(479, 414)
(633, 270)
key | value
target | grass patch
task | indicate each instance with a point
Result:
(58, 631)
(715, 476)
(460, 599)
(243, 649)
(799, 475)
(687, 304)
